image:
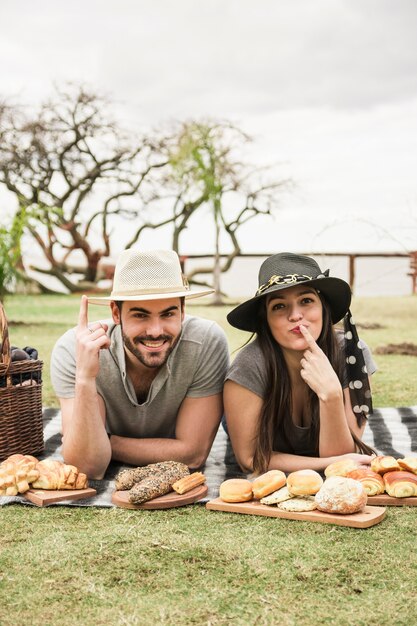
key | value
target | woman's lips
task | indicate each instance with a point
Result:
(296, 330)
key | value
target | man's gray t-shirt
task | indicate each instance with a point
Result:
(249, 370)
(196, 368)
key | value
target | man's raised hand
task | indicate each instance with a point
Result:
(91, 338)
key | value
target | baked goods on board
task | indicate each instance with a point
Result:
(304, 482)
(20, 472)
(341, 468)
(236, 490)
(157, 479)
(401, 484)
(373, 483)
(268, 483)
(382, 464)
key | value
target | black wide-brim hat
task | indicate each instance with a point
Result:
(284, 270)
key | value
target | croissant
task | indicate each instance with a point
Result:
(58, 475)
(409, 464)
(400, 484)
(382, 464)
(372, 482)
(16, 474)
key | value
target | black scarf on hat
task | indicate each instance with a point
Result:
(359, 389)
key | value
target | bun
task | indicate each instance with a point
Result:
(16, 474)
(400, 484)
(382, 464)
(409, 464)
(304, 482)
(341, 468)
(341, 495)
(236, 490)
(372, 482)
(268, 483)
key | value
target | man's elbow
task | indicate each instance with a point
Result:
(93, 469)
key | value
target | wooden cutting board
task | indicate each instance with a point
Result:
(43, 497)
(385, 500)
(168, 501)
(369, 516)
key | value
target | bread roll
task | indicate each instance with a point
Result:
(372, 482)
(341, 495)
(304, 482)
(382, 464)
(409, 464)
(268, 483)
(400, 484)
(58, 475)
(236, 490)
(341, 468)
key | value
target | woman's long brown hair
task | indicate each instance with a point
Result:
(277, 406)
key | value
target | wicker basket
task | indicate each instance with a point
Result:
(21, 426)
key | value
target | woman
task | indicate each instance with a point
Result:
(297, 397)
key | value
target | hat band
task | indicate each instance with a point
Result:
(289, 279)
(141, 292)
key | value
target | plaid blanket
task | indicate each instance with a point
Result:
(391, 431)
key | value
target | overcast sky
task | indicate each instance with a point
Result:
(327, 88)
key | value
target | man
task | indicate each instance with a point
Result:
(145, 386)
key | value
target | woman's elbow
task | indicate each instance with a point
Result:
(245, 463)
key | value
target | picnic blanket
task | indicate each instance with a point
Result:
(391, 431)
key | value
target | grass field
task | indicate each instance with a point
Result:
(189, 566)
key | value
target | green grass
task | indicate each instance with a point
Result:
(189, 566)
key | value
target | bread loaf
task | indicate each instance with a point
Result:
(157, 484)
(341, 495)
(372, 482)
(400, 484)
(58, 475)
(126, 478)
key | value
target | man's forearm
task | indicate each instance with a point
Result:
(145, 451)
(85, 441)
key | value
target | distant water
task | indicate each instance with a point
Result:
(373, 276)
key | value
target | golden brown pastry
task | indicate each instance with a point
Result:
(409, 463)
(341, 495)
(304, 482)
(341, 468)
(189, 482)
(372, 482)
(157, 484)
(281, 495)
(16, 474)
(236, 490)
(382, 464)
(268, 483)
(59, 475)
(400, 484)
(298, 505)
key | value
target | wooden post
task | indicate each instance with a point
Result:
(352, 258)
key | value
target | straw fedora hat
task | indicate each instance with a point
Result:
(284, 270)
(153, 275)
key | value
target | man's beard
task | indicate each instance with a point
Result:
(150, 359)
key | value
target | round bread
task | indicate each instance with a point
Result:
(268, 483)
(304, 482)
(341, 468)
(341, 495)
(298, 505)
(236, 490)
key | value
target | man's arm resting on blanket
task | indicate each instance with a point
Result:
(197, 423)
(85, 442)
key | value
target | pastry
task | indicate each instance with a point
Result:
(189, 482)
(372, 482)
(305, 503)
(268, 483)
(16, 474)
(341, 495)
(59, 475)
(409, 464)
(341, 468)
(382, 464)
(277, 496)
(304, 482)
(400, 484)
(236, 490)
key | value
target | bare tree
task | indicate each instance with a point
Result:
(72, 170)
